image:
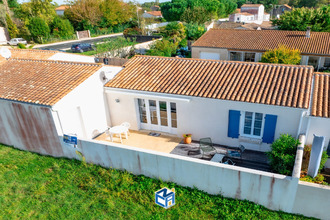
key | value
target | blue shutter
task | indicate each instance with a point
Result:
(269, 129)
(233, 123)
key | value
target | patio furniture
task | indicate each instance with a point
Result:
(127, 125)
(236, 154)
(229, 162)
(118, 130)
(205, 149)
(218, 158)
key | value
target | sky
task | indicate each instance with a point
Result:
(61, 2)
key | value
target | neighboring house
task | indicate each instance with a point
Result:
(266, 25)
(278, 10)
(4, 36)
(41, 99)
(249, 45)
(250, 13)
(231, 102)
(49, 55)
(152, 14)
(60, 10)
(155, 8)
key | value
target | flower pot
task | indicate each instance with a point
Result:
(187, 140)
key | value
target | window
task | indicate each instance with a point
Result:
(173, 115)
(249, 57)
(142, 110)
(252, 123)
(313, 61)
(237, 19)
(327, 62)
(236, 56)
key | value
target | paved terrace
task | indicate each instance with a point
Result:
(172, 144)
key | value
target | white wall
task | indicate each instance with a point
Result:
(89, 97)
(60, 12)
(319, 126)
(203, 117)
(196, 51)
(3, 36)
(72, 57)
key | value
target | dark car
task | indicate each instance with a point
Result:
(81, 47)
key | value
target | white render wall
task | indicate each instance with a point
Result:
(89, 98)
(319, 126)
(203, 117)
(197, 50)
(3, 36)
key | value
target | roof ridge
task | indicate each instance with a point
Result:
(228, 61)
(38, 50)
(56, 61)
(232, 30)
(321, 73)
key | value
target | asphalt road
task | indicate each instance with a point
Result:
(67, 45)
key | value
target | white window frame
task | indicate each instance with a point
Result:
(242, 55)
(242, 122)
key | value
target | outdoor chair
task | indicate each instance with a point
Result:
(236, 154)
(205, 149)
(127, 125)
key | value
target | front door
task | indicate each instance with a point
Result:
(157, 115)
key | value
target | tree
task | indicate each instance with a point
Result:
(116, 12)
(283, 55)
(61, 27)
(194, 31)
(12, 28)
(300, 18)
(308, 3)
(197, 15)
(38, 29)
(174, 31)
(173, 10)
(163, 47)
(115, 47)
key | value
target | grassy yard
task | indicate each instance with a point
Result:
(44, 187)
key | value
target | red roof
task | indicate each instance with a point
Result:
(155, 13)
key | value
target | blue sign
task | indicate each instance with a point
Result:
(165, 197)
(70, 139)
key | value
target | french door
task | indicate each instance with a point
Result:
(157, 115)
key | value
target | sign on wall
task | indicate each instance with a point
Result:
(69, 139)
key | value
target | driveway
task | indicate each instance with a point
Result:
(66, 45)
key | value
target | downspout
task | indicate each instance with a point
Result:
(302, 115)
(59, 120)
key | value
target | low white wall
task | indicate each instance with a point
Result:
(3, 36)
(271, 190)
(319, 126)
(312, 200)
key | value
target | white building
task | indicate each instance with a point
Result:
(60, 10)
(250, 13)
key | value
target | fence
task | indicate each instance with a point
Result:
(142, 38)
(83, 34)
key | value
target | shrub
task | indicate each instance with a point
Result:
(12, 28)
(21, 46)
(132, 31)
(282, 54)
(62, 28)
(283, 153)
(164, 48)
(38, 29)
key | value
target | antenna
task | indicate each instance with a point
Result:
(103, 78)
(5, 52)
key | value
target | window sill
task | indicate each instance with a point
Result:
(250, 140)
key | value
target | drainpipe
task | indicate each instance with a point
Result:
(299, 157)
(303, 114)
(59, 120)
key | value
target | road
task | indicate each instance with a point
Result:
(66, 45)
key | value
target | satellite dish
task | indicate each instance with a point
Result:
(5, 52)
(103, 77)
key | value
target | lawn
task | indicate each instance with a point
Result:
(35, 186)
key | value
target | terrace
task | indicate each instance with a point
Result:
(172, 144)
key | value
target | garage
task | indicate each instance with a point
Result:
(209, 56)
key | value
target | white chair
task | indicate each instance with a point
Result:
(126, 125)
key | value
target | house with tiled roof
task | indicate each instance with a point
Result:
(42, 99)
(249, 45)
(232, 102)
(152, 14)
(60, 10)
(250, 13)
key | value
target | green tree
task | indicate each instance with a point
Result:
(61, 27)
(163, 48)
(38, 29)
(173, 10)
(283, 153)
(12, 28)
(174, 31)
(308, 3)
(300, 18)
(197, 15)
(194, 31)
(283, 55)
(116, 12)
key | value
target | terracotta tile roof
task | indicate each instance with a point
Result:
(228, 25)
(155, 13)
(250, 5)
(288, 6)
(32, 54)
(254, 40)
(41, 82)
(244, 13)
(62, 7)
(321, 95)
(282, 85)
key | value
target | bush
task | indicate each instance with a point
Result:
(21, 46)
(38, 29)
(283, 153)
(12, 28)
(282, 54)
(62, 28)
(164, 48)
(194, 31)
(132, 31)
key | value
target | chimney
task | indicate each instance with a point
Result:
(308, 32)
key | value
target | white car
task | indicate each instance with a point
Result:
(15, 41)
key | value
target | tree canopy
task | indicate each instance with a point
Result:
(38, 29)
(300, 18)
(283, 55)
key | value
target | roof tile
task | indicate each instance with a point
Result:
(321, 95)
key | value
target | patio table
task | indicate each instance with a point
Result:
(118, 130)
(218, 158)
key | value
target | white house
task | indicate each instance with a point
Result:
(60, 10)
(231, 102)
(250, 13)
(42, 99)
(152, 14)
(249, 45)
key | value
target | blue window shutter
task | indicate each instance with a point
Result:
(233, 123)
(269, 129)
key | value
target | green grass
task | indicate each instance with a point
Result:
(35, 186)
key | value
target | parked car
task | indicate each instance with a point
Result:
(16, 41)
(81, 47)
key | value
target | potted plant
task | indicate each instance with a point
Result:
(187, 138)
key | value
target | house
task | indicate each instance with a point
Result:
(249, 45)
(42, 99)
(278, 10)
(231, 102)
(152, 14)
(250, 13)
(60, 10)
(266, 25)
(155, 8)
